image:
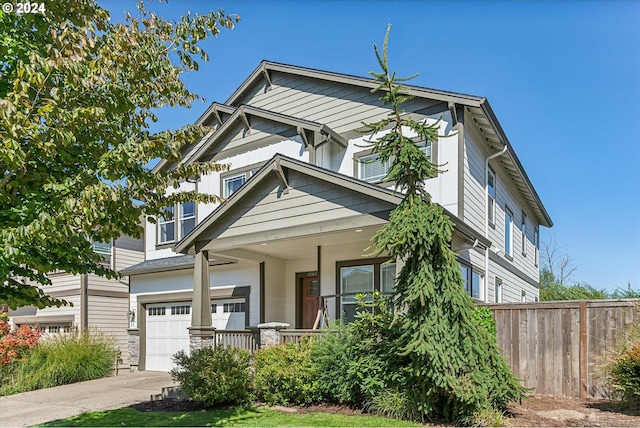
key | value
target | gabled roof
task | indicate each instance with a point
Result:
(277, 163)
(478, 107)
(243, 114)
(266, 67)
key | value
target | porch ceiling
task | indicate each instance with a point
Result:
(301, 247)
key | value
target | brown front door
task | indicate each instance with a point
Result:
(309, 294)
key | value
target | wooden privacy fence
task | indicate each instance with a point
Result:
(557, 348)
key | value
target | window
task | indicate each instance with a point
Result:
(497, 290)
(155, 311)
(232, 184)
(103, 249)
(187, 218)
(181, 310)
(491, 196)
(472, 281)
(214, 308)
(233, 180)
(508, 231)
(166, 225)
(523, 229)
(233, 307)
(185, 223)
(371, 170)
(365, 278)
(536, 243)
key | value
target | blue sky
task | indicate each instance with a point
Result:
(562, 77)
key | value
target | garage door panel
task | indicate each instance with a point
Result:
(168, 324)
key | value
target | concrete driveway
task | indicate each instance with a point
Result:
(35, 407)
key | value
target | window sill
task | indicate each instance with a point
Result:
(165, 245)
(508, 257)
(492, 225)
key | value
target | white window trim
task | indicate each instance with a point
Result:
(508, 232)
(364, 157)
(497, 289)
(247, 172)
(523, 230)
(161, 222)
(491, 199)
(181, 219)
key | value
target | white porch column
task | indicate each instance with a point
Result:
(201, 332)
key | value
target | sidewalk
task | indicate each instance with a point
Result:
(35, 407)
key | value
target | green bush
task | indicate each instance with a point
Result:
(285, 375)
(214, 376)
(484, 317)
(62, 359)
(623, 367)
(332, 354)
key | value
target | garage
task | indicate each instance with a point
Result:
(168, 324)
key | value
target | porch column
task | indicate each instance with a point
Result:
(201, 332)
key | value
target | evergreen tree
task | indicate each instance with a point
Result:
(455, 364)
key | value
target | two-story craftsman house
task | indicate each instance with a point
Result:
(304, 196)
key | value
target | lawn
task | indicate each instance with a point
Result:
(245, 417)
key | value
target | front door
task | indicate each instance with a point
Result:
(309, 295)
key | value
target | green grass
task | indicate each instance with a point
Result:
(245, 417)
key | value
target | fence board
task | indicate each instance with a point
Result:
(557, 348)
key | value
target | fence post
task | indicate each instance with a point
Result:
(583, 350)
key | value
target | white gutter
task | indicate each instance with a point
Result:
(486, 218)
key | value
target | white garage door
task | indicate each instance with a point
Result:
(167, 328)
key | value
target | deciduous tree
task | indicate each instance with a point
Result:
(78, 94)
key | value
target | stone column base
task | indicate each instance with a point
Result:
(201, 337)
(270, 333)
(133, 348)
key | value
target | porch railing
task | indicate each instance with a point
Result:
(243, 339)
(294, 335)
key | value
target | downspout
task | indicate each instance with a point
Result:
(486, 219)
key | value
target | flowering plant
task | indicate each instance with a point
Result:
(14, 345)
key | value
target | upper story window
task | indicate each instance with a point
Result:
(103, 249)
(523, 230)
(491, 196)
(166, 226)
(536, 244)
(233, 180)
(187, 218)
(508, 231)
(372, 170)
(169, 227)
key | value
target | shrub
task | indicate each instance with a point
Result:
(15, 345)
(332, 354)
(393, 403)
(214, 376)
(63, 359)
(284, 374)
(484, 317)
(623, 367)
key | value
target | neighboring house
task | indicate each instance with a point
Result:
(304, 198)
(98, 303)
